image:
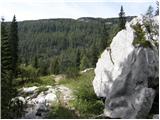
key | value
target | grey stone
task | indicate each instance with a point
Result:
(156, 116)
(130, 84)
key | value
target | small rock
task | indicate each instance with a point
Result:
(50, 98)
(156, 116)
(30, 90)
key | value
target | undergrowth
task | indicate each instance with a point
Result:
(140, 37)
(86, 101)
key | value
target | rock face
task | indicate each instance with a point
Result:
(125, 74)
(37, 102)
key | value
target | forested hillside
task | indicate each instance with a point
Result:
(57, 45)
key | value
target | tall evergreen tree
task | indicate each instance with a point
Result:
(78, 59)
(6, 78)
(147, 21)
(54, 67)
(84, 62)
(149, 12)
(13, 39)
(104, 42)
(9, 47)
(122, 19)
(35, 62)
(157, 11)
(94, 55)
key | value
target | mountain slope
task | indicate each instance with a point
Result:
(51, 38)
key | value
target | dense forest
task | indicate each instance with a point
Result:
(65, 43)
(36, 52)
(52, 46)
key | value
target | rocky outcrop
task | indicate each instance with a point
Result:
(37, 101)
(127, 75)
(155, 116)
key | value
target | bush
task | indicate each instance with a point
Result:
(29, 76)
(46, 80)
(72, 72)
(140, 37)
(86, 101)
(60, 112)
(28, 73)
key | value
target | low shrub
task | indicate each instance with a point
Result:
(140, 37)
(86, 101)
(47, 80)
(60, 112)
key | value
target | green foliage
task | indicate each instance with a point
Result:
(35, 62)
(62, 38)
(29, 73)
(60, 112)
(140, 37)
(122, 19)
(13, 40)
(9, 59)
(149, 11)
(47, 80)
(93, 55)
(54, 67)
(43, 68)
(78, 58)
(16, 109)
(72, 72)
(148, 22)
(157, 10)
(85, 101)
(84, 63)
(41, 81)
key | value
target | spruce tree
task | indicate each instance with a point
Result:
(149, 12)
(104, 42)
(35, 62)
(54, 68)
(6, 78)
(157, 11)
(78, 59)
(94, 55)
(122, 19)
(13, 39)
(84, 62)
(9, 57)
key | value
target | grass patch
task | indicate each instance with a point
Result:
(47, 80)
(60, 112)
(86, 101)
(42, 81)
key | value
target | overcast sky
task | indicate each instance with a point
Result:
(43, 9)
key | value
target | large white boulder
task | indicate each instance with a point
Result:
(124, 73)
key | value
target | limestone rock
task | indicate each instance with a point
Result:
(156, 116)
(125, 73)
(37, 104)
(30, 89)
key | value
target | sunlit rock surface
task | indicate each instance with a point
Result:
(37, 101)
(126, 75)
